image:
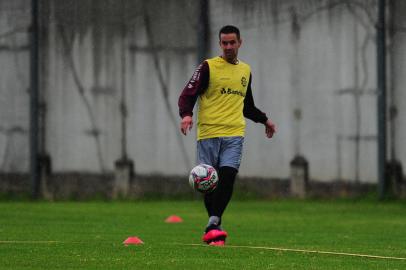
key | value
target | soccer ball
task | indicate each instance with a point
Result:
(203, 178)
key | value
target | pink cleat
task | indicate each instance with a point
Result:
(215, 236)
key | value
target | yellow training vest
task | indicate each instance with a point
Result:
(221, 106)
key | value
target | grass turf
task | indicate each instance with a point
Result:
(89, 235)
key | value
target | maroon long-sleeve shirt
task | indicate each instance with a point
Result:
(198, 84)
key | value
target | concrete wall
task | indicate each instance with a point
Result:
(398, 82)
(112, 71)
(14, 86)
(314, 70)
(126, 57)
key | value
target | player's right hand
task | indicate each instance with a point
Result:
(186, 124)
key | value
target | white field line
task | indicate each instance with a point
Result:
(233, 246)
(308, 251)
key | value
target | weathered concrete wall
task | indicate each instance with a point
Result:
(112, 71)
(398, 82)
(314, 71)
(85, 186)
(126, 58)
(14, 86)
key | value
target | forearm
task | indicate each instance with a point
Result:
(196, 86)
(250, 110)
(255, 115)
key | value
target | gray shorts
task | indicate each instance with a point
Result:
(220, 152)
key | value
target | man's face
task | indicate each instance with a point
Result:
(230, 44)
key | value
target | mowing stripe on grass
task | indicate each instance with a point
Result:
(26, 242)
(307, 251)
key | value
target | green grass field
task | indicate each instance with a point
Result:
(89, 235)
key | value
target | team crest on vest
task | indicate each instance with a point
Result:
(243, 81)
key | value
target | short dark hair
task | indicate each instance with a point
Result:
(229, 29)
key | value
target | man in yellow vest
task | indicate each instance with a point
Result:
(223, 87)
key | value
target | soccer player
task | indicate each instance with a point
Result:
(223, 87)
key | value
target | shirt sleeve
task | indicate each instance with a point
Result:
(195, 87)
(250, 111)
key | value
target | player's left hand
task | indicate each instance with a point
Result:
(270, 128)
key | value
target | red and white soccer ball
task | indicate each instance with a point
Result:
(203, 178)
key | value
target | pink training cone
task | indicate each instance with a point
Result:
(173, 219)
(133, 240)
